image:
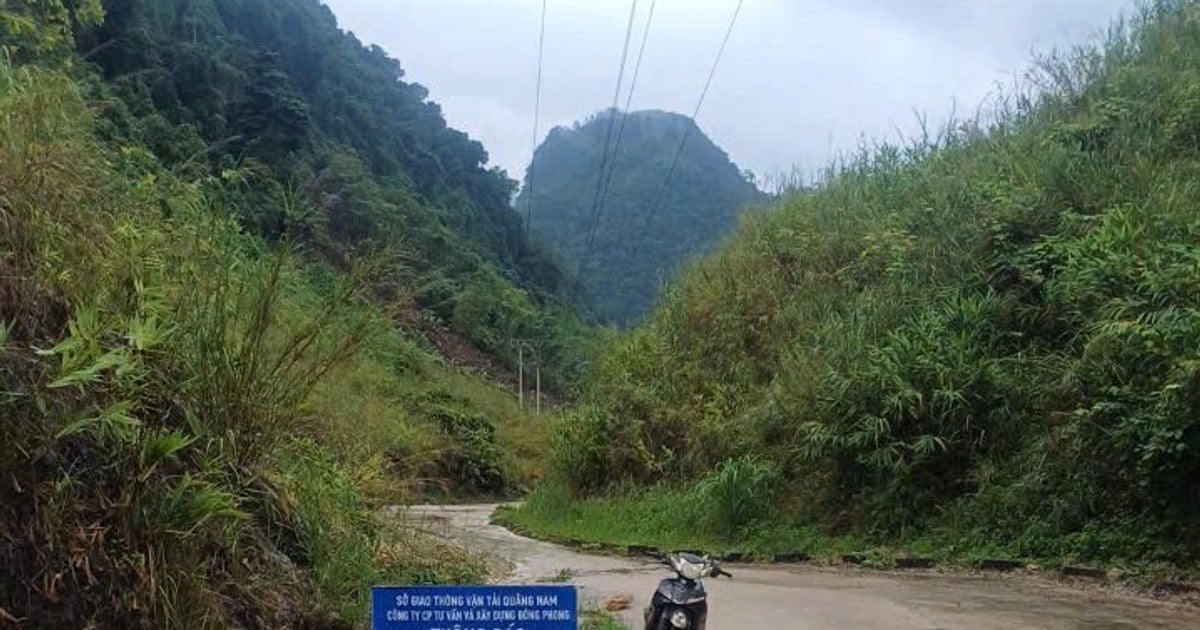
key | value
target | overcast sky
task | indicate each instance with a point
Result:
(800, 81)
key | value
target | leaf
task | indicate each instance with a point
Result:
(147, 333)
(115, 421)
(118, 358)
(66, 345)
(929, 444)
(193, 503)
(159, 448)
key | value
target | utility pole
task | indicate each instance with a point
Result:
(536, 347)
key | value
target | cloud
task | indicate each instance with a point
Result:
(801, 81)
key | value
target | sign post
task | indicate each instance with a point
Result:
(474, 608)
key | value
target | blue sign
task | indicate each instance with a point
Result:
(474, 608)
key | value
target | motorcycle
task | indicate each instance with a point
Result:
(680, 602)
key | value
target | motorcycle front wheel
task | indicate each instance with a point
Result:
(664, 621)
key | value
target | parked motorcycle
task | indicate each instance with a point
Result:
(680, 602)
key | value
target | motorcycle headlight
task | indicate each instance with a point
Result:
(679, 619)
(688, 570)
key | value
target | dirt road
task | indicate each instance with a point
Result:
(803, 598)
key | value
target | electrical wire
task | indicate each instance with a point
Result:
(657, 205)
(594, 212)
(537, 108)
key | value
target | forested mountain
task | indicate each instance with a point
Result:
(984, 343)
(645, 231)
(272, 95)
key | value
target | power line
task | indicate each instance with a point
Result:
(594, 214)
(612, 167)
(537, 107)
(637, 67)
(688, 132)
(595, 211)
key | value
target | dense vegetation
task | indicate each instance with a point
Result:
(986, 339)
(272, 94)
(645, 231)
(203, 393)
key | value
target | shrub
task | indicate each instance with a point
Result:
(738, 494)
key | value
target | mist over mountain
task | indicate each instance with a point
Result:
(645, 229)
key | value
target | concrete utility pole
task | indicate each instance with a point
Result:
(537, 362)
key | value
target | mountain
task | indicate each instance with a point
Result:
(980, 345)
(334, 146)
(645, 231)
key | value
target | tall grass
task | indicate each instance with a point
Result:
(740, 493)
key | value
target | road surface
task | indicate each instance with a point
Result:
(805, 597)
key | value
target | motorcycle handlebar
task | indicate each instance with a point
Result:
(666, 560)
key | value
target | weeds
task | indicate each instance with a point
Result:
(563, 575)
(600, 620)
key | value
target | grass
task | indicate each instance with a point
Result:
(392, 395)
(600, 620)
(563, 575)
(666, 519)
(345, 545)
(669, 520)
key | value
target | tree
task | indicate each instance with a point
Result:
(44, 30)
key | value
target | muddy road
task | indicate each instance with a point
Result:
(803, 597)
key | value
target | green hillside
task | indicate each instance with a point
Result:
(208, 238)
(645, 231)
(271, 95)
(987, 343)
